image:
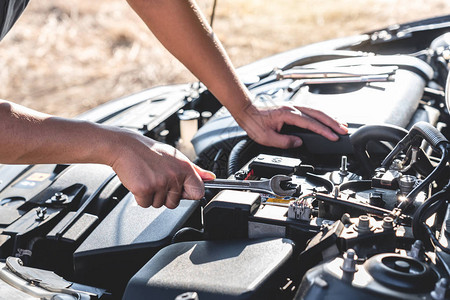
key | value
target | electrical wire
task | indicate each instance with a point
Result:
(426, 209)
(434, 240)
(182, 235)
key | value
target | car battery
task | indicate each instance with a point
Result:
(239, 214)
(266, 166)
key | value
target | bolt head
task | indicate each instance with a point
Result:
(59, 197)
(349, 264)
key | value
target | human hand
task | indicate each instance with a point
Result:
(157, 174)
(264, 124)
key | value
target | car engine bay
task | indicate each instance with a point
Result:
(366, 216)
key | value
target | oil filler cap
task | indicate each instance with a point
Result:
(401, 272)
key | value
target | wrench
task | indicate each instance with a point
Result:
(277, 185)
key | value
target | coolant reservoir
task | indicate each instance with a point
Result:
(188, 128)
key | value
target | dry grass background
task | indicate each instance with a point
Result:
(64, 57)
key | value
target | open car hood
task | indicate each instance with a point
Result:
(369, 216)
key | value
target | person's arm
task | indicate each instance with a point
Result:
(155, 173)
(183, 30)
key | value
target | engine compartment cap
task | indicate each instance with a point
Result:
(231, 269)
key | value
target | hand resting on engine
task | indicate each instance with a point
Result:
(263, 125)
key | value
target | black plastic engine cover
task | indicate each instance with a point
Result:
(126, 239)
(393, 102)
(234, 269)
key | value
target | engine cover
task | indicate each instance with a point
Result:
(392, 102)
(200, 266)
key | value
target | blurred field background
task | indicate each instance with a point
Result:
(64, 57)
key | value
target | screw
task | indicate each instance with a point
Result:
(240, 175)
(187, 296)
(59, 197)
(397, 165)
(440, 289)
(349, 264)
(41, 212)
(343, 170)
(345, 219)
(416, 250)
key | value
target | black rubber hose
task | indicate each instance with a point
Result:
(361, 137)
(419, 130)
(426, 209)
(429, 133)
(434, 240)
(444, 159)
(236, 154)
(423, 164)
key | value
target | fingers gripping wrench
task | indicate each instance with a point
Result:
(279, 185)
